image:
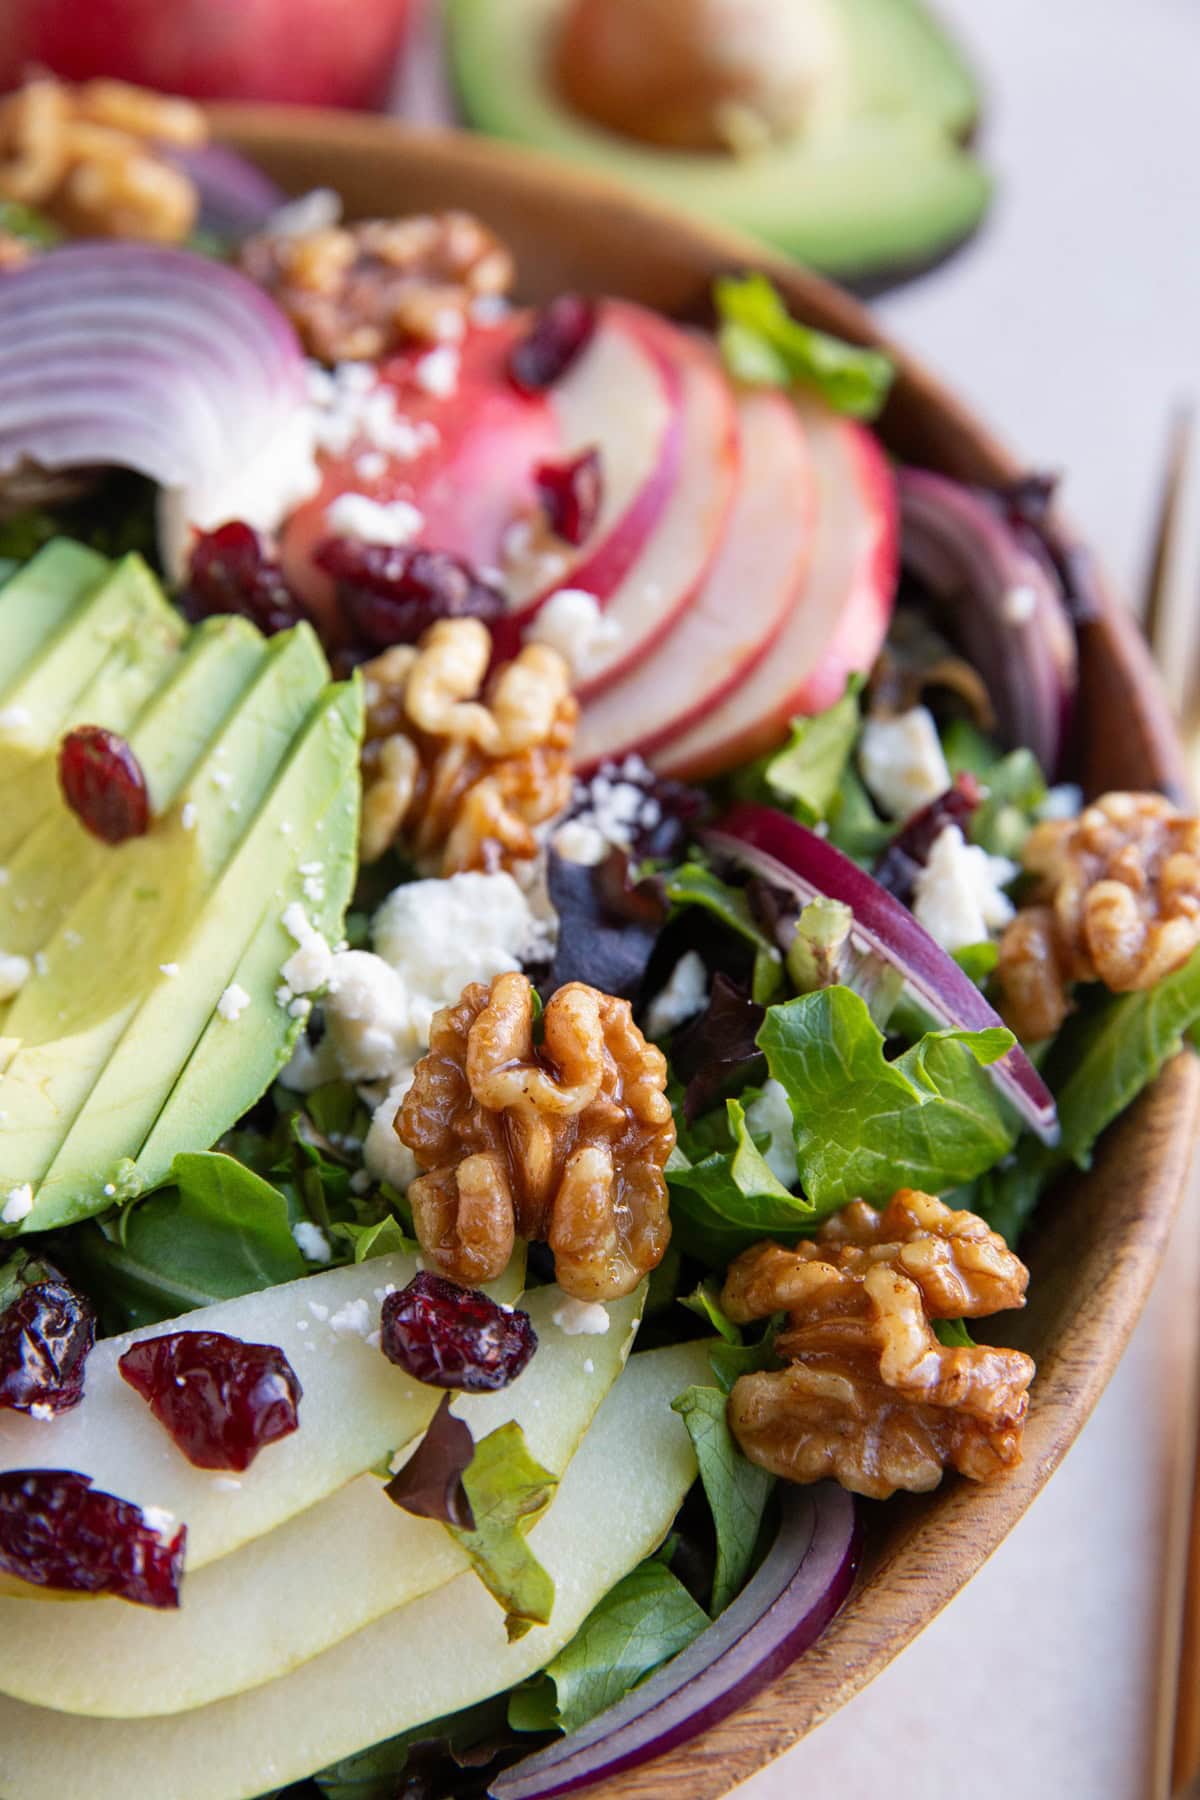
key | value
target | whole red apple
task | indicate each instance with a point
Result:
(319, 52)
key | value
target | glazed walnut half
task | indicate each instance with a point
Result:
(564, 1141)
(1117, 900)
(457, 766)
(868, 1394)
(356, 292)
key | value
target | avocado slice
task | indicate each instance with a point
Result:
(37, 598)
(182, 1073)
(142, 649)
(115, 931)
(879, 181)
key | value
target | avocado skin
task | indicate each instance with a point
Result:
(889, 186)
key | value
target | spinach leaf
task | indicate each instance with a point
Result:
(737, 1491)
(808, 770)
(731, 1198)
(765, 347)
(376, 1773)
(865, 1126)
(507, 1490)
(643, 1622)
(854, 826)
(705, 1301)
(729, 1361)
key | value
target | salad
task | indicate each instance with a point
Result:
(549, 954)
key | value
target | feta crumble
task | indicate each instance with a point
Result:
(312, 963)
(579, 842)
(581, 1318)
(170, 970)
(351, 1320)
(442, 935)
(233, 1003)
(373, 521)
(15, 718)
(14, 973)
(386, 1158)
(45, 1415)
(573, 623)
(958, 896)
(188, 815)
(685, 995)
(18, 1204)
(771, 1115)
(437, 371)
(312, 1243)
(902, 762)
(158, 1520)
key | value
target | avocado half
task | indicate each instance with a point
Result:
(884, 183)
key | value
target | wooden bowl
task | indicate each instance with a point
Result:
(1099, 1240)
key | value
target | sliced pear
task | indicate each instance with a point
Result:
(254, 1616)
(357, 1408)
(435, 1656)
(37, 598)
(155, 1083)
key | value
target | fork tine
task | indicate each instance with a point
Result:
(1158, 606)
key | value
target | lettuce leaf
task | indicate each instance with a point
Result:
(765, 347)
(864, 1126)
(691, 884)
(643, 1622)
(807, 772)
(731, 1198)
(737, 1491)
(507, 1490)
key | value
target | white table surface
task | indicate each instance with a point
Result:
(1073, 324)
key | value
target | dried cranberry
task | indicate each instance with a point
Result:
(46, 1334)
(57, 1531)
(103, 784)
(900, 864)
(559, 333)
(454, 1337)
(231, 570)
(221, 1400)
(571, 494)
(391, 593)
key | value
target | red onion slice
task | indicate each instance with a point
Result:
(800, 1585)
(236, 198)
(151, 359)
(1003, 602)
(790, 856)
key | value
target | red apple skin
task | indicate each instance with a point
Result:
(307, 52)
(800, 676)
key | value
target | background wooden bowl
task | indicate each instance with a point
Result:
(1100, 1238)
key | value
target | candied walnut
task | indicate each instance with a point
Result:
(563, 1141)
(15, 252)
(458, 766)
(90, 158)
(356, 292)
(869, 1395)
(1117, 900)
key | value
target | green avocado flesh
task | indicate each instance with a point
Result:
(133, 945)
(880, 182)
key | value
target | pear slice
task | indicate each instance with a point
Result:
(357, 1409)
(257, 1614)
(438, 1654)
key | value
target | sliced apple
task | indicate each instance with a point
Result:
(471, 474)
(432, 1657)
(759, 572)
(665, 580)
(259, 1613)
(839, 620)
(624, 397)
(357, 1408)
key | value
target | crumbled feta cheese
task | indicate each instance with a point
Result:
(228, 1484)
(573, 623)
(278, 477)
(489, 309)
(319, 1311)
(158, 1520)
(18, 1205)
(958, 895)
(441, 935)
(351, 1320)
(170, 970)
(188, 815)
(589, 1367)
(616, 804)
(312, 963)
(579, 842)
(372, 465)
(902, 762)
(318, 210)
(772, 1115)
(312, 1242)
(14, 973)
(233, 1003)
(681, 999)
(369, 1017)
(1062, 802)
(1019, 605)
(386, 1158)
(15, 718)
(44, 1414)
(581, 1318)
(221, 778)
(437, 371)
(373, 521)
(310, 1066)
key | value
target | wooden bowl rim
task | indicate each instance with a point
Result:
(922, 1569)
